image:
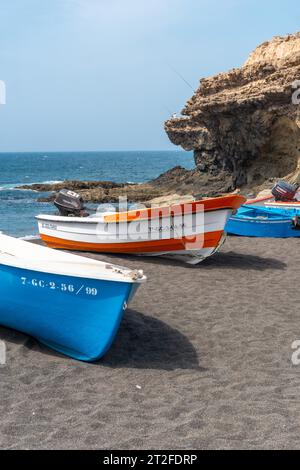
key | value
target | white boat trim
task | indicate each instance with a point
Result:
(21, 254)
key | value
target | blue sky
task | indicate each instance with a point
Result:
(99, 74)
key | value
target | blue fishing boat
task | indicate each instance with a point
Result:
(251, 221)
(70, 303)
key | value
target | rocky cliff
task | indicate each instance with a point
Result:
(243, 125)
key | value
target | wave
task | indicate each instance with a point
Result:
(48, 182)
(8, 187)
(16, 186)
(30, 237)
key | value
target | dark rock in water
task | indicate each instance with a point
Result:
(174, 180)
(178, 180)
(73, 185)
(244, 125)
(98, 191)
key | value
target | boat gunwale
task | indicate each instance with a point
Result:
(259, 199)
(24, 265)
(125, 216)
(91, 268)
(257, 220)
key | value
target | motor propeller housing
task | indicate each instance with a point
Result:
(70, 203)
(283, 191)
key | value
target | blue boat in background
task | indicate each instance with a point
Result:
(255, 221)
(70, 303)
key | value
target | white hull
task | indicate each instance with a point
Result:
(189, 232)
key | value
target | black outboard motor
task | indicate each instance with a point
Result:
(283, 191)
(70, 204)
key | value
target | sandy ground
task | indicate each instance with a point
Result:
(209, 347)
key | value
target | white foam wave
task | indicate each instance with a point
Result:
(29, 237)
(7, 187)
(16, 186)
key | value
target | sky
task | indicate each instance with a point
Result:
(106, 74)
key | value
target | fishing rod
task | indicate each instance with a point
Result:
(180, 76)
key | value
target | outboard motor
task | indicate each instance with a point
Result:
(70, 204)
(283, 191)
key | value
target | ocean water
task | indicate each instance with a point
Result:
(18, 208)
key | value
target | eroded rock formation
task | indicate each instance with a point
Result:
(243, 125)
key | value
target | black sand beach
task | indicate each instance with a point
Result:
(202, 360)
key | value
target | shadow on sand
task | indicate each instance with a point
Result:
(229, 260)
(142, 342)
(241, 261)
(145, 342)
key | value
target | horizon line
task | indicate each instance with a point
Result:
(90, 151)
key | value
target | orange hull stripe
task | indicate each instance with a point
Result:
(211, 240)
(233, 202)
(260, 199)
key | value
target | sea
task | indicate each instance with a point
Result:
(18, 208)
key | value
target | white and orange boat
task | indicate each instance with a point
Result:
(187, 231)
